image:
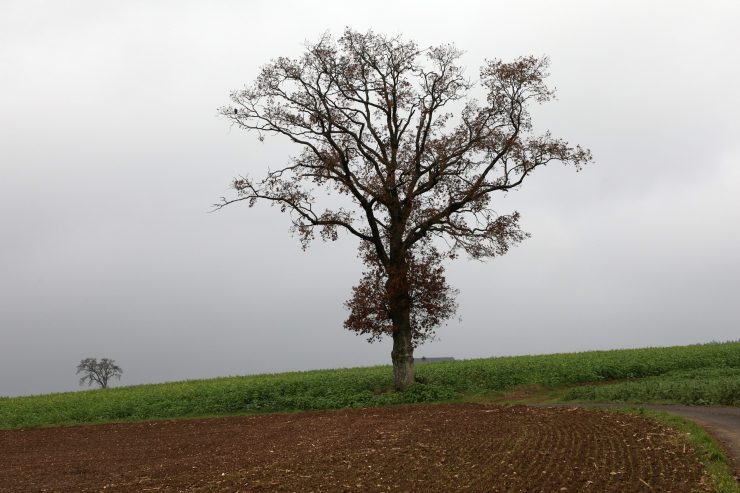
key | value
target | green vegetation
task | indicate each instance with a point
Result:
(707, 449)
(700, 386)
(357, 387)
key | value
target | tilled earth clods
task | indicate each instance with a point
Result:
(425, 448)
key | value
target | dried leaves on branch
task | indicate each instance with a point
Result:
(432, 299)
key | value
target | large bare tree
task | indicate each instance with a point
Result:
(393, 131)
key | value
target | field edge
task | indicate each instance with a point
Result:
(707, 447)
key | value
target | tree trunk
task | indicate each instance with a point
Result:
(403, 358)
(400, 312)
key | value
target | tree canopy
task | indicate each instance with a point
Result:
(393, 129)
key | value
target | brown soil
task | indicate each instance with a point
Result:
(451, 447)
(721, 421)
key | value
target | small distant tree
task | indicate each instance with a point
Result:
(98, 372)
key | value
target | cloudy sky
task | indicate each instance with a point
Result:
(111, 154)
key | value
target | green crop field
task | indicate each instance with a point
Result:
(362, 387)
(700, 386)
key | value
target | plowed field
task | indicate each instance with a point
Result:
(451, 447)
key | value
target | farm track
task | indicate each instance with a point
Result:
(448, 447)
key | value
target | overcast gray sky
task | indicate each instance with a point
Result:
(111, 154)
